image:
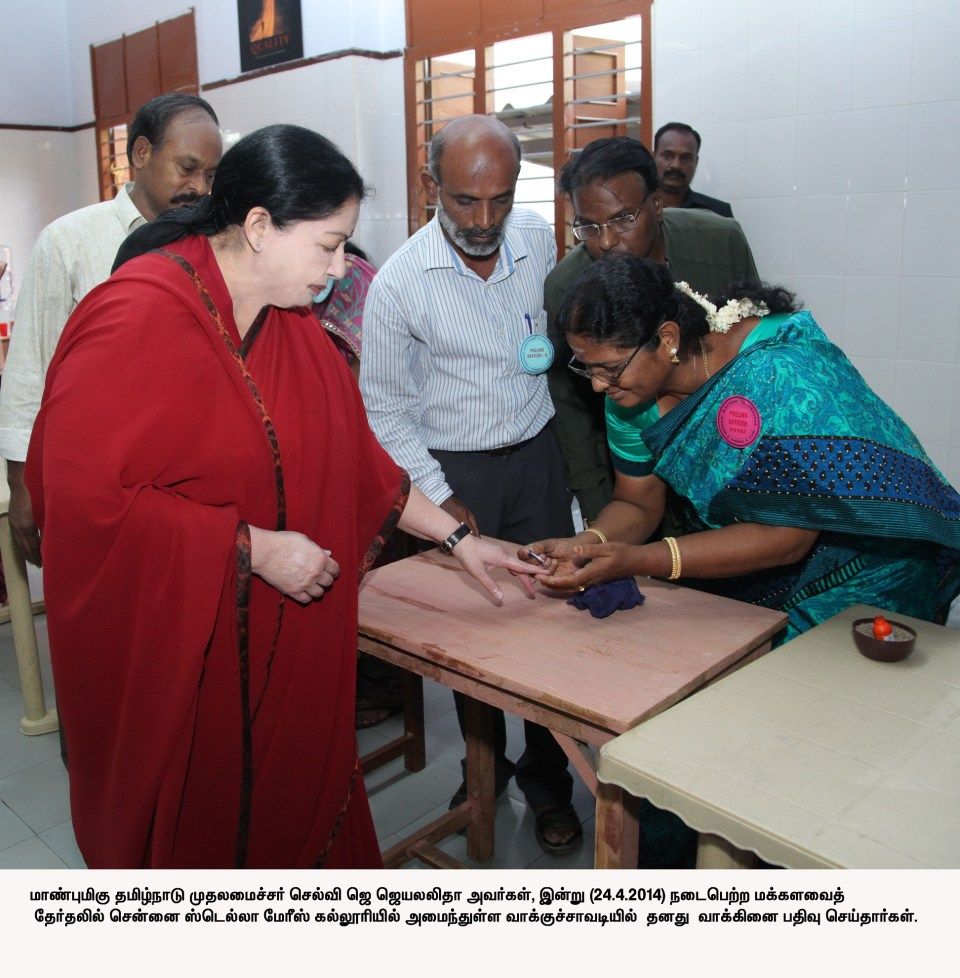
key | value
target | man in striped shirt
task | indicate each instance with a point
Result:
(456, 402)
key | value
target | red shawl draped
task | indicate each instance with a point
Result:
(206, 725)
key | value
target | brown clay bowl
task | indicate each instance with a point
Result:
(879, 649)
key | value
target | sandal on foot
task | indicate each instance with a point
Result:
(558, 817)
(370, 716)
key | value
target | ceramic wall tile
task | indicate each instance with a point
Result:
(722, 170)
(933, 146)
(825, 70)
(721, 22)
(677, 93)
(771, 162)
(723, 95)
(778, 19)
(882, 62)
(772, 77)
(770, 226)
(928, 6)
(878, 149)
(823, 153)
(874, 234)
(816, 15)
(676, 26)
(871, 316)
(931, 245)
(821, 239)
(929, 319)
(936, 40)
(867, 10)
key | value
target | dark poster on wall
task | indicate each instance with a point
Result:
(271, 32)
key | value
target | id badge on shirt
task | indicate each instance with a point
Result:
(535, 351)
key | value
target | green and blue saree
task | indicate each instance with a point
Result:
(789, 434)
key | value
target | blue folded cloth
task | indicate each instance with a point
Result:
(602, 600)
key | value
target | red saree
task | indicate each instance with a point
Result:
(209, 723)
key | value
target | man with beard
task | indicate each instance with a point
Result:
(676, 148)
(453, 378)
(173, 146)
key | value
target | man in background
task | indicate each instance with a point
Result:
(676, 147)
(174, 147)
(450, 396)
(613, 186)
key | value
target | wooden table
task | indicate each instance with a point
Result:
(813, 756)
(586, 679)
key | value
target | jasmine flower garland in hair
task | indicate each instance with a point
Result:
(732, 312)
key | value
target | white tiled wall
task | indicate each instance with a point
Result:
(833, 127)
(358, 103)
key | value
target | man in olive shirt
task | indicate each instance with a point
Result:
(612, 184)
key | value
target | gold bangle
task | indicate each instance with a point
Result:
(600, 534)
(676, 563)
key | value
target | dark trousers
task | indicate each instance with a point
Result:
(520, 496)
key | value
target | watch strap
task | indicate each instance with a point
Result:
(458, 534)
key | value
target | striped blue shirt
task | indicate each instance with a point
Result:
(440, 366)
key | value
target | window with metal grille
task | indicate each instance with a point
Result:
(577, 77)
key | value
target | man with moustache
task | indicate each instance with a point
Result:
(613, 186)
(173, 146)
(676, 148)
(456, 401)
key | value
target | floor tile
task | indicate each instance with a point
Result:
(13, 829)
(398, 797)
(17, 751)
(39, 795)
(32, 854)
(63, 842)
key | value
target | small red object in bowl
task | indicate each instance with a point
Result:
(894, 647)
(881, 627)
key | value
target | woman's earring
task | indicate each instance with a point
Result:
(673, 356)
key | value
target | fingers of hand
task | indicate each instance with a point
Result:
(492, 587)
(566, 582)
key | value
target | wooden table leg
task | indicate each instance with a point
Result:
(617, 826)
(478, 721)
(38, 719)
(716, 853)
(415, 755)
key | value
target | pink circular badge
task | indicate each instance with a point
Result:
(738, 421)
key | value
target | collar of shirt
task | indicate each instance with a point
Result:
(127, 214)
(440, 252)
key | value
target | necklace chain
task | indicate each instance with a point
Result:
(706, 365)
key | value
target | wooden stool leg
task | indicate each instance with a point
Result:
(38, 719)
(415, 756)
(617, 826)
(478, 720)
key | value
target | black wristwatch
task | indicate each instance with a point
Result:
(458, 534)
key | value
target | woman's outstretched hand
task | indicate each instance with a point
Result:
(477, 555)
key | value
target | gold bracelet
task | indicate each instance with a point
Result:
(600, 534)
(676, 563)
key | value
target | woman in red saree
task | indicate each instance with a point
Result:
(209, 494)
